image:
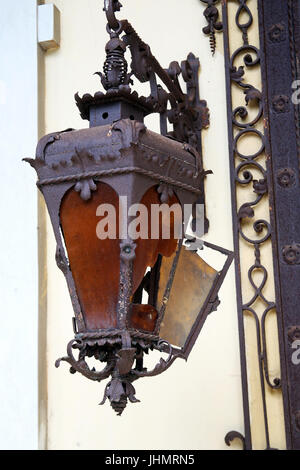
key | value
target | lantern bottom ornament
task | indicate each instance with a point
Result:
(131, 296)
(187, 294)
(108, 346)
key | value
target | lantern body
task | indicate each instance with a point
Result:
(81, 170)
(129, 295)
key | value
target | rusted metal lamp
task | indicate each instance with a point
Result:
(108, 279)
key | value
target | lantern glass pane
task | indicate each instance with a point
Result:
(143, 315)
(191, 286)
(95, 263)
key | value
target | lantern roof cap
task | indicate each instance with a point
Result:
(122, 94)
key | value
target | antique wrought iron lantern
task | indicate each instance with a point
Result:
(130, 296)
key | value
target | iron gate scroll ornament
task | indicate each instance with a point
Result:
(211, 14)
(116, 157)
(277, 60)
(242, 125)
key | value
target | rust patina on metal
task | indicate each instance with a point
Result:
(211, 15)
(278, 59)
(119, 156)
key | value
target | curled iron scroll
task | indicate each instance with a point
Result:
(81, 366)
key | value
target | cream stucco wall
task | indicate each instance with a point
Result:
(194, 404)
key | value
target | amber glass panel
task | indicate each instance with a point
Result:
(95, 263)
(192, 283)
(144, 316)
(147, 250)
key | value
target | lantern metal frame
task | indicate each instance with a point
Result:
(82, 159)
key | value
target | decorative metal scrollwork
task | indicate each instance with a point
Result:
(231, 436)
(119, 360)
(211, 14)
(81, 366)
(256, 234)
(186, 112)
